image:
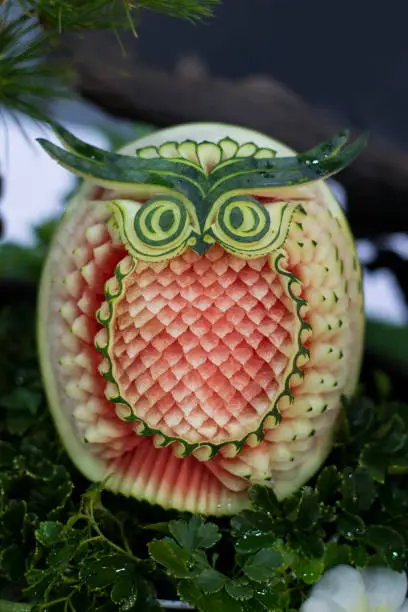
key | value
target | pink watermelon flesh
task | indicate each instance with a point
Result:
(201, 347)
(199, 344)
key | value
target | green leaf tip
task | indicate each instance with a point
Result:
(332, 156)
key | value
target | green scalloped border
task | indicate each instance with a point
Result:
(189, 448)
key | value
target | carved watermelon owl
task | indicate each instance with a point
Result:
(201, 314)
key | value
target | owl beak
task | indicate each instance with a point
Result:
(201, 246)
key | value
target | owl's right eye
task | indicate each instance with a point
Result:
(243, 226)
(242, 219)
(247, 228)
(156, 230)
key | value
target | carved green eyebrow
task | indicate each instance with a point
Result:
(188, 178)
(112, 168)
(321, 151)
(318, 163)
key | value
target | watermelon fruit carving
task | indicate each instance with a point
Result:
(200, 314)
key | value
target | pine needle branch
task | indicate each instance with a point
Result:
(191, 10)
(74, 15)
(29, 81)
(57, 16)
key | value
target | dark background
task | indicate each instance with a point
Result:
(348, 57)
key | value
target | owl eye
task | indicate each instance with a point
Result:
(153, 231)
(161, 222)
(241, 222)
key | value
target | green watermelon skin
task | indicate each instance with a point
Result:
(199, 360)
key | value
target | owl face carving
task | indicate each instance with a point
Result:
(194, 195)
(202, 299)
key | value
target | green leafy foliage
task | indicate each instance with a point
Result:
(63, 545)
(28, 261)
(353, 512)
(79, 558)
(22, 262)
(388, 341)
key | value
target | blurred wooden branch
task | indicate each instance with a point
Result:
(377, 182)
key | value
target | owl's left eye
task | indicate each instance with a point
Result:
(160, 222)
(155, 230)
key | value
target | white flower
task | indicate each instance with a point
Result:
(345, 589)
